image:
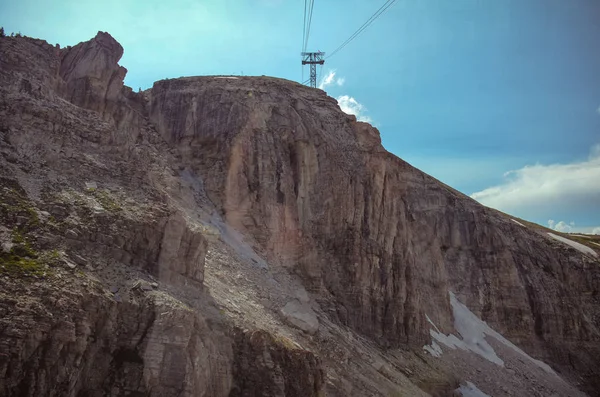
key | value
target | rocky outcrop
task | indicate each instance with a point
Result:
(85, 343)
(93, 79)
(182, 253)
(268, 367)
(300, 315)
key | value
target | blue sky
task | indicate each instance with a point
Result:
(499, 99)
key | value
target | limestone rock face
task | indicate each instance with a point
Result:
(91, 72)
(112, 201)
(377, 240)
(316, 190)
(182, 252)
(102, 266)
(301, 315)
(266, 367)
(85, 343)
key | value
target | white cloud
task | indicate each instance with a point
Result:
(598, 110)
(541, 190)
(330, 79)
(350, 105)
(347, 103)
(561, 226)
(596, 230)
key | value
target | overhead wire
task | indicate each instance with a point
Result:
(303, 37)
(304, 27)
(365, 25)
(310, 14)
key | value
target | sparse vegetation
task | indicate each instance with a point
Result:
(24, 260)
(15, 207)
(2, 32)
(106, 200)
(286, 342)
(21, 260)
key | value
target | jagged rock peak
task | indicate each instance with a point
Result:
(91, 72)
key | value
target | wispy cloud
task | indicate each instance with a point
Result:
(350, 105)
(598, 110)
(330, 79)
(539, 190)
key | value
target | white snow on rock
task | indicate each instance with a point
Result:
(518, 223)
(579, 247)
(434, 349)
(470, 390)
(473, 332)
(431, 322)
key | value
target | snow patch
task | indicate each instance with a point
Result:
(470, 390)
(434, 349)
(473, 332)
(518, 223)
(579, 247)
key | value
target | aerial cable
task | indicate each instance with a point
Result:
(304, 27)
(309, 22)
(310, 14)
(373, 17)
(365, 25)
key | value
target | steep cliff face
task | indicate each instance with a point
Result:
(319, 194)
(378, 240)
(262, 190)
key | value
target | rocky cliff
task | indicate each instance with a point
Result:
(242, 236)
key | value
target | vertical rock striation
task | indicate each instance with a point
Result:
(379, 241)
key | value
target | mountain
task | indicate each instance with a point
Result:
(242, 236)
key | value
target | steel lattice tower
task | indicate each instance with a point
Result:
(313, 59)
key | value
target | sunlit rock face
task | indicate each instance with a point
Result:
(381, 242)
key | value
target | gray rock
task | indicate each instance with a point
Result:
(79, 260)
(301, 316)
(69, 264)
(302, 295)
